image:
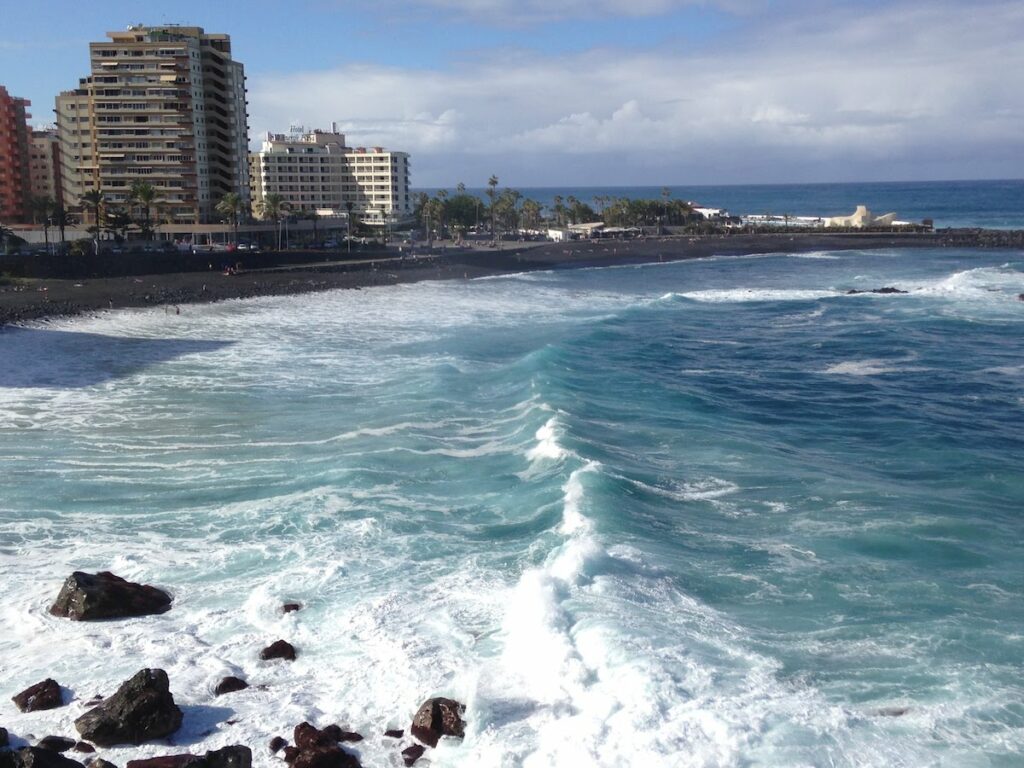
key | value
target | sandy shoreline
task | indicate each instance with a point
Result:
(42, 298)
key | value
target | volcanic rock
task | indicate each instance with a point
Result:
(230, 685)
(235, 756)
(885, 291)
(307, 736)
(279, 649)
(4, 740)
(336, 733)
(290, 753)
(289, 607)
(99, 762)
(84, 746)
(325, 757)
(142, 709)
(34, 757)
(56, 743)
(395, 733)
(436, 718)
(44, 695)
(411, 754)
(276, 744)
(88, 597)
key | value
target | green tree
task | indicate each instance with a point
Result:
(230, 207)
(94, 201)
(492, 192)
(144, 195)
(273, 207)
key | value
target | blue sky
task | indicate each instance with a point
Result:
(567, 92)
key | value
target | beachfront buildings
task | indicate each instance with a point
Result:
(164, 105)
(15, 187)
(315, 172)
(44, 165)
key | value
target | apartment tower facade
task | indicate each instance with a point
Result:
(165, 106)
(15, 186)
(315, 171)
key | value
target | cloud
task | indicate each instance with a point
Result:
(910, 88)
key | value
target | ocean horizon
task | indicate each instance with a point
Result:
(993, 204)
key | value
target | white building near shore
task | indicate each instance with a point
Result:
(315, 172)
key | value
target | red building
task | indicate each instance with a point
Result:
(15, 184)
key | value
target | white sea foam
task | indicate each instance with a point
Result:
(741, 295)
(547, 446)
(870, 367)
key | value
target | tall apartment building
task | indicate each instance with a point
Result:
(164, 105)
(44, 165)
(315, 170)
(14, 165)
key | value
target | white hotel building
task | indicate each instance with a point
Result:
(314, 172)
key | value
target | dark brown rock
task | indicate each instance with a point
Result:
(230, 685)
(142, 709)
(4, 738)
(34, 757)
(99, 762)
(436, 718)
(279, 649)
(56, 743)
(167, 761)
(290, 753)
(229, 757)
(88, 597)
(395, 733)
(44, 695)
(276, 744)
(411, 754)
(289, 607)
(336, 734)
(307, 736)
(84, 747)
(325, 757)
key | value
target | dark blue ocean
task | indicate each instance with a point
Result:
(706, 513)
(991, 204)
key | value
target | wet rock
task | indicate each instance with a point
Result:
(44, 695)
(99, 762)
(85, 747)
(290, 607)
(886, 290)
(394, 733)
(891, 711)
(230, 685)
(290, 753)
(276, 744)
(411, 754)
(325, 757)
(167, 761)
(337, 734)
(436, 718)
(279, 649)
(56, 743)
(142, 709)
(307, 736)
(229, 757)
(35, 757)
(88, 597)
(4, 738)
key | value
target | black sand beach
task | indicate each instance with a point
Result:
(32, 298)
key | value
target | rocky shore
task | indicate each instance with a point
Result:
(30, 298)
(142, 710)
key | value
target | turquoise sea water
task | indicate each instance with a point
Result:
(711, 513)
(991, 204)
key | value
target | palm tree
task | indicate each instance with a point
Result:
(61, 220)
(144, 195)
(42, 208)
(230, 207)
(271, 207)
(94, 201)
(492, 191)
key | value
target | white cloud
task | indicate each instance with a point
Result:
(913, 89)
